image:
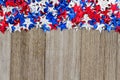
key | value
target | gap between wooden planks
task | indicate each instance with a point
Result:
(56, 55)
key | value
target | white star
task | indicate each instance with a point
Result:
(7, 9)
(9, 28)
(51, 9)
(71, 4)
(103, 4)
(18, 27)
(86, 18)
(42, 2)
(69, 24)
(27, 23)
(54, 1)
(44, 20)
(76, 2)
(38, 25)
(100, 27)
(34, 7)
(87, 26)
(112, 1)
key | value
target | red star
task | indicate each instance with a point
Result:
(118, 29)
(10, 3)
(79, 14)
(114, 7)
(107, 19)
(105, 12)
(53, 27)
(97, 8)
(3, 26)
(77, 8)
(63, 14)
(68, 1)
(118, 14)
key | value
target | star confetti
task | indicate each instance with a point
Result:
(17, 15)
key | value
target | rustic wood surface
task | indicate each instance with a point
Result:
(27, 55)
(56, 55)
(62, 59)
(5, 50)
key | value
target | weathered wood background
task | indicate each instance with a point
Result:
(56, 55)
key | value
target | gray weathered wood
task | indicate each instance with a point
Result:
(27, 55)
(62, 61)
(5, 49)
(118, 58)
(96, 56)
(91, 58)
(56, 55)
(110, 54)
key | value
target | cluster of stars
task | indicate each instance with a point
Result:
(17, 15)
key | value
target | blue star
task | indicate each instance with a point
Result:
(45, 28)
(62, 26)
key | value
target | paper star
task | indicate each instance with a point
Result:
(42, 2)
(27, 23)
(77, 1)
(86, 18)
(71, 4)
(45, 28)
(51, 9)
(113, 7)
(109, 27)
(100, 27)
(7, 9)
(87, 26)
(118, 29)
(38, 25)
(44, 20)
(69, 24)
(118, 14)
(112, 1)
(35, 7)
(18, 27)
(9, 28)
(103, 4)
(62, 26)
(54, 1)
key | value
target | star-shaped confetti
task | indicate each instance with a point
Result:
(59, 14)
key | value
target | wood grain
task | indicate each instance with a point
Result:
(118, 58)
(62, 60)
(91, 59)
(56, 55)
(110, 54)
(5, 49)
(27, 56)
(96, 57)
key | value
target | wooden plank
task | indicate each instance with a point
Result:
(118, 58)
(62, 61)
(110, 55)
(27, 55)
(5, 49)
(92, 58)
